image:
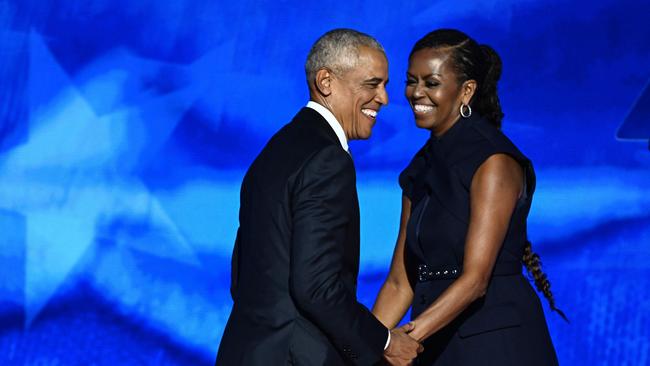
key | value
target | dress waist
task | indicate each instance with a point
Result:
(429, 273)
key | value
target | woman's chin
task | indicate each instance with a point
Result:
(422, 123)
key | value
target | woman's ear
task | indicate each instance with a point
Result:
(467, 91)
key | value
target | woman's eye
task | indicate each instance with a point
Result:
(410, 82)
(430, 84)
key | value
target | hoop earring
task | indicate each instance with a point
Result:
(465, 114)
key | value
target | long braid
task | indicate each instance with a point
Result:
(534, 266)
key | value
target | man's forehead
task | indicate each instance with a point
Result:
(375, 67)
(372, 53)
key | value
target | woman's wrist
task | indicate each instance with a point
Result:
(418, 333)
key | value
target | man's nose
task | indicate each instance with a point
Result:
(382, 96)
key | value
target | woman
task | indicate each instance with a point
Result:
(462, 240)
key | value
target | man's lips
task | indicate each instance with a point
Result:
(371, 113)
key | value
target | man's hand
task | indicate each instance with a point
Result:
(402, 348)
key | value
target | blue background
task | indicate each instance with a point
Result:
(126, 127)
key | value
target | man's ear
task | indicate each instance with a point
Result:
(323, 82)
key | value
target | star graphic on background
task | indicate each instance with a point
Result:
(69, 175)
(636, 125)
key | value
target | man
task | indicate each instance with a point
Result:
(296, 256)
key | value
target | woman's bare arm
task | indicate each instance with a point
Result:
(396, 293)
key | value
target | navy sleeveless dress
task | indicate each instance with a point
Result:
(507, 325)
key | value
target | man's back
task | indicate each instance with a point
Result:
(277, 281)
(266, 213)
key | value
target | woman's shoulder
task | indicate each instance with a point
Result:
(480, 141)
(496, 138)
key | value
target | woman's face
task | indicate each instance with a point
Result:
(432, 90)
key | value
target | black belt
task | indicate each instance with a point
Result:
(429, 273)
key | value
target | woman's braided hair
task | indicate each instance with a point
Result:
(534, 266)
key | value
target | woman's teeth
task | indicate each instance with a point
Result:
(421, 108)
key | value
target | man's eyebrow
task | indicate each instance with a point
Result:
(374, 81)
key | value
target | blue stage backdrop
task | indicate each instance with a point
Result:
(126, 127)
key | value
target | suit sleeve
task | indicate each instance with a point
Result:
(322, 211)
(234, 274)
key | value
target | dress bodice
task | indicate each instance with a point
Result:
(438, 182)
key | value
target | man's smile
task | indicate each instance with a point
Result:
(371, 113)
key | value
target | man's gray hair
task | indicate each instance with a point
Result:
(338, 50)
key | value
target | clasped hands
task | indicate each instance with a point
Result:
(402, 348)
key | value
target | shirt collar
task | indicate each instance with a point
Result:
(332, 121)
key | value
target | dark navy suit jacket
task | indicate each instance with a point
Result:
(296, 257)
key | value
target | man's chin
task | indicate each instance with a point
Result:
(364, 135)
(368, 131)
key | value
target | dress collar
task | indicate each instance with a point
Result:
(447, 140)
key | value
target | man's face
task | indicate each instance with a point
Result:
(358, 94)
